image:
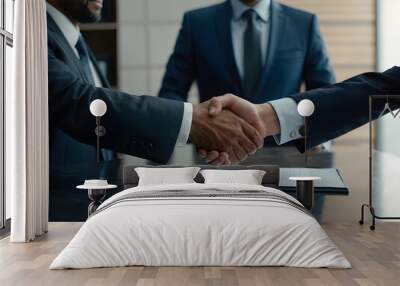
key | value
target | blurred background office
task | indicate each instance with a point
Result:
(348, 27)
(138, 37)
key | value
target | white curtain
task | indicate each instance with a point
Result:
(27, 124)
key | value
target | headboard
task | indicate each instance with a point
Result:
(271, 177)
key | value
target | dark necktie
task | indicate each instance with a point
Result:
(252, 54)
(84, 59)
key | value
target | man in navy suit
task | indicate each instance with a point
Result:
(259, 50)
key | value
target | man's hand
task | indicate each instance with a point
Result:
(262, 117)
(224, 132)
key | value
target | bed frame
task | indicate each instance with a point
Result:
(130, 178)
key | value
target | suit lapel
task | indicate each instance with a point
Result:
(276, 24)
(224, 36)
(66, 48)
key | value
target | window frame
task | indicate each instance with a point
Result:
(6, 39)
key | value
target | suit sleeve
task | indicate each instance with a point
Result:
(142, 126)
(180, 72)
(342, 107)
(318, 70)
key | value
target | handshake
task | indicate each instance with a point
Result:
(227, 129)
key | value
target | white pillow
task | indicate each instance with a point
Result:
(166, 176)
(246, 177)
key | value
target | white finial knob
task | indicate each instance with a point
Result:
(98, 108)
(306, 108)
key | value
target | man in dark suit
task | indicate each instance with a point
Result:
(142, 126)
(339, 109)
(259, 50)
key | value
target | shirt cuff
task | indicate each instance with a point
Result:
(186, 125)
(289, 119)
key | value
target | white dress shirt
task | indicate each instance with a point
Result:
(290, 120)
(72, 33)
(239, 25)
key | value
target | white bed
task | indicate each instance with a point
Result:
(268, 228)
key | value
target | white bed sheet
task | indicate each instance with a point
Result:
(200, 232)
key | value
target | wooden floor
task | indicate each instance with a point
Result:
(375, 256)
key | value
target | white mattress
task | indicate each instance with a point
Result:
(193, 231)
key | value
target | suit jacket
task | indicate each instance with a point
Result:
(142, 126)
(204, 53)
(343, 107)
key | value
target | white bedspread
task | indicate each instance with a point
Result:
(200, 231)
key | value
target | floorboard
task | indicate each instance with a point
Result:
(375, 261)
(374, 255)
